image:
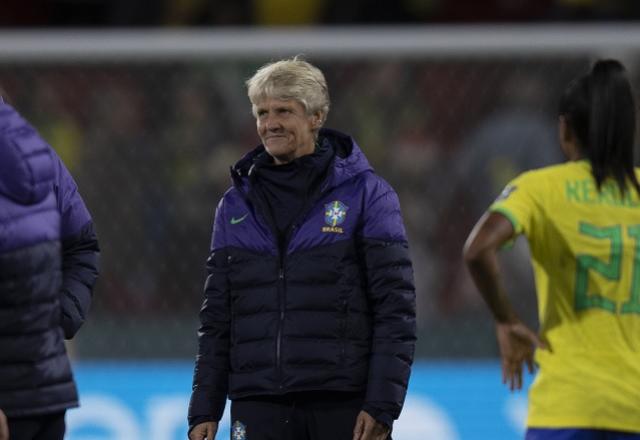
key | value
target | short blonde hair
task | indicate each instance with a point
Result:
(292, 78)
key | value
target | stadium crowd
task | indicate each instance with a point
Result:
(150, 144)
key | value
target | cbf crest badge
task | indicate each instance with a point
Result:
(506, 192)
(238, 431)
(334, 215)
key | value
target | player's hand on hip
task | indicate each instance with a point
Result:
(4, 427)
(367, 428)
(517, 344)
(206, 430)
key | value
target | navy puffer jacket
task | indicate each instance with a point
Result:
(334, 309)
(48, 263)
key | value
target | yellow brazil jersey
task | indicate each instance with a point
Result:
(585, 252)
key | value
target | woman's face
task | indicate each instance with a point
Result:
(285, 128)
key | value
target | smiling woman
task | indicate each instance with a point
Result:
(290, 101)
(286, 130)
(309, 319)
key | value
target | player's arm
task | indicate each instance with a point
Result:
(491, 232)
(516, 341)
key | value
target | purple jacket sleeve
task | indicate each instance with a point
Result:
(391, 295)
(211, 375)
(80, 252)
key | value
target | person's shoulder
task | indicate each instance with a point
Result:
(535, 183)
(373, 182)
(231, 197)
(26, 162)
(230, 192)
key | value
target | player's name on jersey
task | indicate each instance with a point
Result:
(585, 191)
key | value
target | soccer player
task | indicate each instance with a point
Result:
(308, 323)
(582, 222)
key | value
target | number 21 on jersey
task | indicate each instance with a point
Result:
(610, 270)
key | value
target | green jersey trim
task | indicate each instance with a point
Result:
(514, 222)
(504, 211)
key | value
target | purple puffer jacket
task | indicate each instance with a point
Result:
(332, 309)
(48, 264)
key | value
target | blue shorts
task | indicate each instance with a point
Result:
(579, 434)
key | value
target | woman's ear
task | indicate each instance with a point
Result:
(316, 120)
(564, 130)
(568, 140)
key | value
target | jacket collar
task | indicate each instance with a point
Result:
(349, 161)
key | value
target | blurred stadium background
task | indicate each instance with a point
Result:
(147, 107)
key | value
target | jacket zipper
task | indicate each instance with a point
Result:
(280, 324)
(282, 247)
(282, 296)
